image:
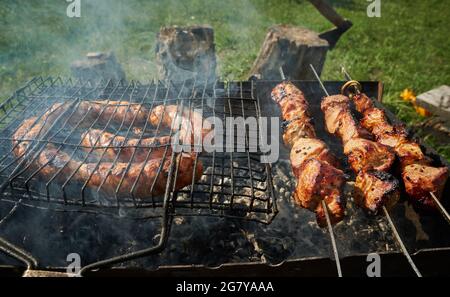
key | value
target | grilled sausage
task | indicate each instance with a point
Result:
(191, 124)
(149, 177)
(114, 145)
(103, 111)
(52, 161)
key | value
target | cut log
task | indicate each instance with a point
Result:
(186, 52)
(97, 66)
(292, 48)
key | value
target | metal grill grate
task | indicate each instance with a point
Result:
(233, 184)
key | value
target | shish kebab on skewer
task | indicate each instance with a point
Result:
(315, 167)
(421, 179)
(375, 189)
(371, 161)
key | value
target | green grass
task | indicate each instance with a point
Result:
(408, 47)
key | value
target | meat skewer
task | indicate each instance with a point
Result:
(374, 187)
(312, 162)
(383, 207)
(424, 183)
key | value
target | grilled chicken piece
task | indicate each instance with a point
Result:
(364, 155)
(310, 148)
(154, 147)
(420, 180)
(319, 180)
(375, 189)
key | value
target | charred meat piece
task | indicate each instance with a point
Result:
(375, 189)
(310, 148)
(365, 154)
(154, 147)
(319, 180)
(291, 100)
(420, 180)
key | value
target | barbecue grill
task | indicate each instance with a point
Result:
(234, 185)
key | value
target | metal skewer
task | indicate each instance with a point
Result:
(436, 201)
(388, 217)
(333, 240)
(325, 208)
(400, 242)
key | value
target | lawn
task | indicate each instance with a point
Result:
(408, 47)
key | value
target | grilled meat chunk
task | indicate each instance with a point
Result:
(296, 130)
(375, 189)
(319, 180)
(336, 210)
(362, 102)
(339, 120)
(373, 121)
(154, 147)
(420, 180)
(291, 100)
(310, 148)
(365, 155)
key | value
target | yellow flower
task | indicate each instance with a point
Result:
(408, 95)
(422, 111)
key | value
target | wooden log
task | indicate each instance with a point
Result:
(292, 48)
(96, 66)
(186, 52)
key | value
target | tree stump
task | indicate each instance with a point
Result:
(97, 66)
(293, 49)
(186, 52)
